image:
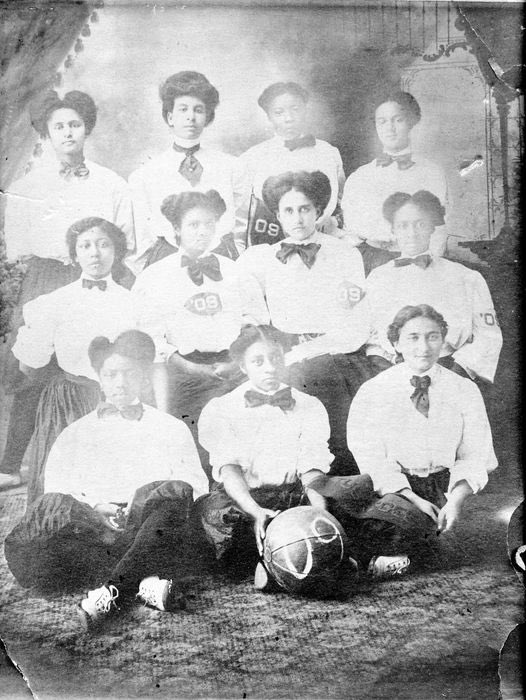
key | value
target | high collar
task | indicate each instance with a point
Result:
(404, 152)
(433, 372)
(186, 143)
(314, 238)
(249, 385)
(412, 257)
(108, 278)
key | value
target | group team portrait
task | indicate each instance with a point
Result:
(259, 417)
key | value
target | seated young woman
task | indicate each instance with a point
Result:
(118, 491)
(196, 296)
(291, 148)
(268, 449)
(40, 207)
(61, 324)
(188, 102)
(474, 339)
(421, 432)
(310, 286)
(396, 169)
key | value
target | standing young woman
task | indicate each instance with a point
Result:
(396, 169)
(40, 208)
(195, 294)
(310, 287)
(63, 323)
(291, 148)
(189, 102)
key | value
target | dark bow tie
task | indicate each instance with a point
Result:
(190, 168)
(132, 412)
(422, 261)
(404, 162)
(281, 399)
(300, 142)
(306, 252)
(420, 396)
(99, 284)
(66, 170)
(199, 267)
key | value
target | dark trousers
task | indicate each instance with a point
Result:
(393, 525)
(58, 543)
(230, 531)
(334, 380)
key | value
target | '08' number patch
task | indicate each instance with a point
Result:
(349, 294)
(204, 304)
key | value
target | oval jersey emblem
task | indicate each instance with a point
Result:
(349, 294)
(204, 304)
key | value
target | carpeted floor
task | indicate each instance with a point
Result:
(435, 634)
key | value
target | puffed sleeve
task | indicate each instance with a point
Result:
(142, 212)
(60, 474)
(123, 212)
(480, 356)
(314, 439)
(251, 271)
(17, 223)
(218, 437)
(34, 343)
(356, 206)
(475, 454)
(364, 438)
(241, 197)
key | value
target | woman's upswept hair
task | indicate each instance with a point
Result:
(114, 232)
(42, 109)
(175, 206)
(134, 344)
(254, 334)
(424, 200)
(406, 101)
(270, 93)
(315, 186)
(408, 313)
(191, 83)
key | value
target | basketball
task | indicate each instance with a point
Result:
(304, 548)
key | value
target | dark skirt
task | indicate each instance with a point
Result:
(64, 400)
(43, 275)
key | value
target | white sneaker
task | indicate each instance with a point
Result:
(159, 593)
(387, 567)
(98, 605)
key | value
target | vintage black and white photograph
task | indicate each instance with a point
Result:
(260, 349)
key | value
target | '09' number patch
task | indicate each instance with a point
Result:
(204, 304)
(349, 294)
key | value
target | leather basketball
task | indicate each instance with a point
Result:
(303, 547)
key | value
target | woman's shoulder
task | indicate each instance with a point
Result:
(108, 175)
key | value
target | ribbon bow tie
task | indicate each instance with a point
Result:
(99, 284)
(404, 162)
(422, 261)
(307, 252)
(67, 171)
(199, 267)
(133, 412)
(190, 168)
(281, 399)
(420, 396)
(300, 142)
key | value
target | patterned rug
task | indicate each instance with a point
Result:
(432, 635)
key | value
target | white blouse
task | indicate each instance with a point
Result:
(105, 460)
(154, 181)
(41, 206)
(272, 446)
(386, 433)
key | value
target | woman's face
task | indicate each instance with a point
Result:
(412, 227)
(67, 133)
(392, 126)
(198, 227)
(297, 215)
(420, 343)
(287, 115)
(264, 365)
(188, 117)
(121, 380)
(95, 253)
